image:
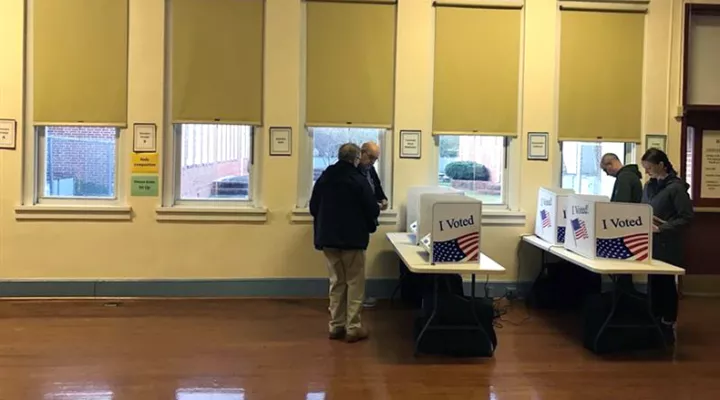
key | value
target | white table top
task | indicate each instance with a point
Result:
(603, 266)
(417, 259)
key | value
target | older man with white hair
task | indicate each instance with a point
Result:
(369, 154)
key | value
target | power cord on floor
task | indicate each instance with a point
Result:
(502, 310)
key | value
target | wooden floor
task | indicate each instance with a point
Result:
(275, 349)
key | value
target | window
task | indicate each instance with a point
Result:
(474, 164)
(322, 147)
(581, 165)
(224, 170)
(77, 162)
(327, 141)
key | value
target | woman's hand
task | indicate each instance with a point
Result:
(655, 228)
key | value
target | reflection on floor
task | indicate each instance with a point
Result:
(277, 349)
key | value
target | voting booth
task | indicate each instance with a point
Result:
(599, 229)
(550, 219)
(412, 211)
(450, 227)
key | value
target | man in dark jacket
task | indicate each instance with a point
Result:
(628, 187)
(369, 154)
(345, 213)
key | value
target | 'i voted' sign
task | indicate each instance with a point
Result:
(604, 230)
(551, 215)
(456, 232)
(623, 232)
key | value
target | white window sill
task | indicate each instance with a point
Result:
(73, 213)
(302, 215)
(501, 217)
(212, 214)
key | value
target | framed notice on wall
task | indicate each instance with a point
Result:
(537, 146)
(8, 129)
(410, 144)
(656, 142)
(144, 138)
(710, 167)
(281, 141)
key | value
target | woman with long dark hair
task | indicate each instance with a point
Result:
(672, 212)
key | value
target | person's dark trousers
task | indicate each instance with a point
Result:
(664, 296)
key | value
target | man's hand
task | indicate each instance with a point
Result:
(383, 204)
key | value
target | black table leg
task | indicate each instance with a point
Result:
(475, 327)
(618, 293)
(432, 315)
(403, 273)
(475, 317)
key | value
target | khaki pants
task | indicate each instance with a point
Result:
(347, 288)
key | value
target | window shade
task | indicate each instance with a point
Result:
(477, 70)
(217, 60)
(350, 50)
(601, 76)
(80, 61)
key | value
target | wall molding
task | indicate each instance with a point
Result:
(203, 288)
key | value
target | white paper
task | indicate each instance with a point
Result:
(280, 141)
(657, 142)
(410, 146)
(145, 138)
(537, 146)
(7, 134)
(710, 174)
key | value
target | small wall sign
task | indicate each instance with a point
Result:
(410, 144)
(145, 138)
(8, 132)
(537, 146)
(280, 141)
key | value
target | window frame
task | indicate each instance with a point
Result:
(173, 171)
(305, 165)
(630, 155)
(171, 206)
(41, 170)
(34, 205)
(509, 181)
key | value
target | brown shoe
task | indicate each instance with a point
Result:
(357, 335)
(337, 334)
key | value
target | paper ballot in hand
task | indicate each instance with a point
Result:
(657, 221)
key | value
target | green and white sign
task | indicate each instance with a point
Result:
(144, 185)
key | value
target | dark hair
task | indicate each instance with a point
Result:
(349, 152)
(609, 157)
(657, 156)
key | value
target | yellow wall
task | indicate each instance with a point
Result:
(145, 248)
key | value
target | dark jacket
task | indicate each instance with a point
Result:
(377, 185)
(628, 188)
(344, 208)
(671, 203)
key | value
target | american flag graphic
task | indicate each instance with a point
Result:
(628, 247)
(579, 229)
(561, 234)
(464, 248)
(545, 216)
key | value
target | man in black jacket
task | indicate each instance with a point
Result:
(628, 187)
(345, 212)
(369, 154)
